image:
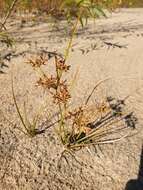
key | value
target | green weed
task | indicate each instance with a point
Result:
(29, 128)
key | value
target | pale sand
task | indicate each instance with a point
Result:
(27, 164)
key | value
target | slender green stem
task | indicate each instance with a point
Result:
(72, 36)
(17, 108)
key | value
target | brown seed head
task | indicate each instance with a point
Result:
(46, 82)
(62, 95)
(61, 65)
(38, 61)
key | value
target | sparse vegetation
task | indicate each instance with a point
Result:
(60, 7)
(78, 126)
(100, 123)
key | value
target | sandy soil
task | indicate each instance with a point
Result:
(31, 164)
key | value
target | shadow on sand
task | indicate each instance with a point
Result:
(137, 184)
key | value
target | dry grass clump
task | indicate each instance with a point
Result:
(89, 124)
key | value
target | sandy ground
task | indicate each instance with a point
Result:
(31, 164)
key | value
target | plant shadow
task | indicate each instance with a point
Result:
(137, 184)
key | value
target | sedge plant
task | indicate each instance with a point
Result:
(99, 123)
(88, 124)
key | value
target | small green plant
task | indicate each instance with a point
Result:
(29, 128)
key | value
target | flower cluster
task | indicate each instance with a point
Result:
(62, 95)
(80, 120)
(56, 86)
(38, 61)
(48, 82)
(60, 65)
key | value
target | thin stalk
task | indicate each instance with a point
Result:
(90, 95)
(93, 133)
(104, 134)
(72, 36)
(17, 108)
(8, 14)
(109, 141)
